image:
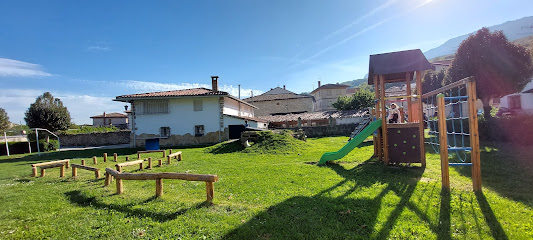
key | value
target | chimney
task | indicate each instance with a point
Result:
(318, 83)
(105, 115)
(214, 83)
(283, 86)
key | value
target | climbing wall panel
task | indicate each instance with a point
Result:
(404, 145)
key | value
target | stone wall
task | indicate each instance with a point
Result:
(95, 139)
(184, 140)
(326, 131)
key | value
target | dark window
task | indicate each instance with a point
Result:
(198, 130)
(164, 132)
(514, 102)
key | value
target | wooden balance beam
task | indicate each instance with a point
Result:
(41, 165)
(120, 165)
(158, 177)
(150, 151)
(76, 166)
(174, 155)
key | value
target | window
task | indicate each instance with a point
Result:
(198, 130)
(164, 131)
(198, 105)
(155, 106)
(515, 102)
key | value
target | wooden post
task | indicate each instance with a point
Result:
(97, 174)
(164, 153)
(120, 188)
(107, 179)
(115, 157)
(168, 159)
(83, 162)
(140, 166)
(443, 142)
(408, 87)
(105, 157)
(474, 136)
(384, 121)
(74, 172)
(34, 171)
(127, 159)
(160, 162)
(119, 168)
(210, 189)
(95, 160)
(138, 156)
(179, 157)
(149, 163)
(159, 187)
(43, 172)
(421, 117)
(62, 171)
(169, 151)
(377, 114)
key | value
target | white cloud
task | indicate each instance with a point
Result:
(143, 86)
(99, 48)
(81, 107)
(15, 68)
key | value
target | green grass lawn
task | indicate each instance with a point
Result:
(272, 196)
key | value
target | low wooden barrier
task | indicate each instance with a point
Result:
(44, 164)
(120, 165)
(76, 166)
(158, 177)
(150, 151)
(174, 155)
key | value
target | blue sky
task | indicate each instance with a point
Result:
(86, 53)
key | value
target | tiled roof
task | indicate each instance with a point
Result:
(271, 97)
(177, 93)
(247, 118)
(331, 86)
(315, 115)
(111, 115)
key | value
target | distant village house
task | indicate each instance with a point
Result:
(279, 101)
(118, 120)
(326, 95)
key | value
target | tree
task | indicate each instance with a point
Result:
(48, 112)
(360, 100)
(4, 120)
(498, 66)
(433, 80)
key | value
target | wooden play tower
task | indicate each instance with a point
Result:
(403, 141)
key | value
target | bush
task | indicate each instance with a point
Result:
(515, 129)
(89, 129)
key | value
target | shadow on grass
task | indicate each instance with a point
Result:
(340, 217)
(80, 199)
(506, 169)
(444, 216)
(88, 154)
(226, 147)
(496, 228)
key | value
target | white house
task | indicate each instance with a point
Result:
(187, 117)
(522, 101)
(111, 119)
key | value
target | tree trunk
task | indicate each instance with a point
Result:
(486, 108)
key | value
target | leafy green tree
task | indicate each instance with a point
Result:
(432, 80)
(499, 66)
(359, 100)
(48, 112)
(4, 120)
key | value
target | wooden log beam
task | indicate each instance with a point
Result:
(421, 117)
(474, 135)
(164, 175)
(443, 139)
(84, 167)
(130, 163)
(66, 161)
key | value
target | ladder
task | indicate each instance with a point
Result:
(366, 120)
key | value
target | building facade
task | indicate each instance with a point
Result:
(326, 95)
(111, 119)
(187, 117)
(279, 101)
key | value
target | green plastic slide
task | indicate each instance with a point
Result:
(358, 139)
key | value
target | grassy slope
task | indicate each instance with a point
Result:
(277, 196)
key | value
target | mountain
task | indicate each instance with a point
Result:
(355, 83)
(512, 29)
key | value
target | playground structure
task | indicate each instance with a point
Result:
(453, 127)
(401, 141)
(158, 177)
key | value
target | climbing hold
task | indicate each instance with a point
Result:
(414, 147)
(414, 136)
(404, 153)
(404, 141)
(396, 145)
(399, 131)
